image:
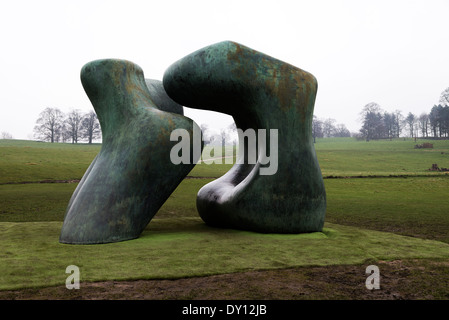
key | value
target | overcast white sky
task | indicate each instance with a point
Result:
(394, 52)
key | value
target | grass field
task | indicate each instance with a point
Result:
(383, 157)
(383, 205)
(28, 161)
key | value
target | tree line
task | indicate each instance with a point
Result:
(328, 128)
(53, 125)
(379, 124)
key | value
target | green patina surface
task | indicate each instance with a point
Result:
(260, 92)
(132, 176)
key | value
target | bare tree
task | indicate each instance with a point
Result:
(393, 124)
(329, 127)
(410, 121)
(398, 119)
(341, 131)
(373, 126)
(317, 128)
(444, 98)
(73, 125)
(371, 107)
(389, 124)
(63, 134)
(90, 127)
(6, 135)
(49, 125)
(423, 122)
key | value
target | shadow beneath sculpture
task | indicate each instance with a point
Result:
(133, 176)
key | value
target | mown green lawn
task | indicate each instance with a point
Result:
(32, 256)
(348, 157)
(22, 160)
(417, 207)
(36, 161)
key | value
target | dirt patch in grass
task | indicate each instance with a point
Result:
(401, 279)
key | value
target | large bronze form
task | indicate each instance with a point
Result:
(279, 190)
(259, 92)
(132, 176)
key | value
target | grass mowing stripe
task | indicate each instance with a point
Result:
(408, 206)
(34, 202)
(35, 161)
(22, 160)
(33, 257)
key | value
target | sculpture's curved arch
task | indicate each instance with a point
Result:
(260, 92)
